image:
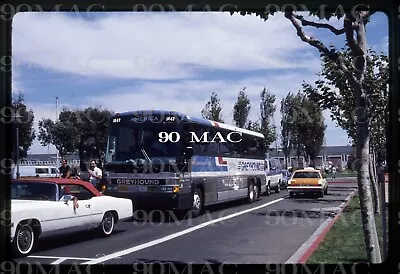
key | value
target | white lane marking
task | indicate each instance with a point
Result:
(175, 235)
(65, 258)
(58, 261)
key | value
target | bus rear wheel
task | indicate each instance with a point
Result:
(252, 193)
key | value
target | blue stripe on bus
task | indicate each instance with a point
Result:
(207, 164)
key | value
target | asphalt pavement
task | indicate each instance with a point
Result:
(268, 231)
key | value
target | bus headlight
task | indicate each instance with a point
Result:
(176, 189)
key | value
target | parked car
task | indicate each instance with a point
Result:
(42, 207)
(308, 180)
(273, 173)
(35, 171)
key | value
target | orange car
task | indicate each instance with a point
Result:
(308, 180)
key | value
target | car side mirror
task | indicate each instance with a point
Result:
(66, 198)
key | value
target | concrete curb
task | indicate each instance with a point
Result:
(307, 249)
(341, 182)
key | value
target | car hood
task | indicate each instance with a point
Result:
(20, 205)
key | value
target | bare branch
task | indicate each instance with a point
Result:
(305, 22)
(365, 16)
(348, 26)
(331, 54)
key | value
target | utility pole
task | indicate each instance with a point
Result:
(57, 121)
(17, 122)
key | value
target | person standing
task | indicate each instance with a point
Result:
(334, 172)
(65, 170)
(95, 174)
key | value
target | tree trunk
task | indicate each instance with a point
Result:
(376, 181)
(363, 180)
(374, 184)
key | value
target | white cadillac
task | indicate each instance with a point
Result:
(43, 207)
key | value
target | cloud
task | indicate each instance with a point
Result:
(187, 49)
(190, 97)
(157, 45)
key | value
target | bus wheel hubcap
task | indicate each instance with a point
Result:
(196, 201)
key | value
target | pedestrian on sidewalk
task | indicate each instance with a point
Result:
(334, 172)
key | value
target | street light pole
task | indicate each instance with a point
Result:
(16, 121)
(17, 149)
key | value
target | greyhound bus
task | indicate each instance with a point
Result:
(169, 160)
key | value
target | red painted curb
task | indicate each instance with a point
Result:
(315, 244)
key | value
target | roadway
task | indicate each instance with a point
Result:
(268, 231)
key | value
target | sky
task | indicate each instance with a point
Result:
(171, 61)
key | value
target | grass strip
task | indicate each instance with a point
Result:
(345, 241)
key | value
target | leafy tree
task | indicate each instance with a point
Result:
(287, 126)
(267, 110)
(341, 101)
(24, 118)
(93, 132)
(241, 109)
(60, 135)
(213, 109)
(83, 131)
(254, 126)
(297, 119)
(355, 21)
(312, 127)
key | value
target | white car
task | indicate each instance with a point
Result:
(36, 171)
(43, 207)
(274, 175)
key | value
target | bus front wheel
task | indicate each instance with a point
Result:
(197, 203)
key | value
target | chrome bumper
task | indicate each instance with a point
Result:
(305, 188)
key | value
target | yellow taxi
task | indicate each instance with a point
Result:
(308, 180)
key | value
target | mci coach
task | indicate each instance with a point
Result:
(170, 160)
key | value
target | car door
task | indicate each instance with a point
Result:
(76, 213)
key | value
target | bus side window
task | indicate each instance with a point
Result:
(199, 148)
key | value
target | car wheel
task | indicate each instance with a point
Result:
(24, 240)
(291, 194)
(326, 190)
(268, 191)
(278, 187)
(251, 193)
(197, 203)
(321, 195)
(107, 224)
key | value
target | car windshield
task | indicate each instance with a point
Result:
(307, 174)
(33, 191)
(130, 142)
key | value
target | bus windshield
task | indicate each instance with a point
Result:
(137, 141)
